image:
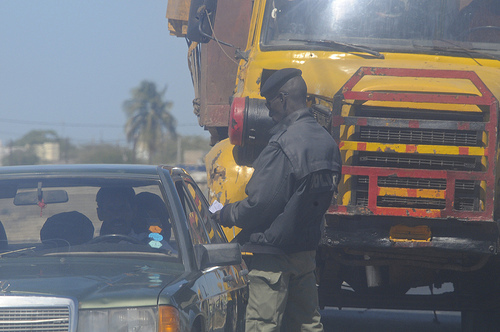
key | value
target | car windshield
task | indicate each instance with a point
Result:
(52, 216)
(383, 25)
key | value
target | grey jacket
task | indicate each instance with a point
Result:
(291, 188)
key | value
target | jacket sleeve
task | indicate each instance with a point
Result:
(267, 191)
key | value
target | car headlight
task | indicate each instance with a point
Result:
(119, 320)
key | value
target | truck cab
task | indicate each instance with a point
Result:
(409, 89)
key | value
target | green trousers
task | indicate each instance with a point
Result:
(282, 293)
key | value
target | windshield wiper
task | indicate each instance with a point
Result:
(113, 254)
(18, 251)
(345, 47)
(459, 49)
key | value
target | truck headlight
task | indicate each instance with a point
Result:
(119, 320)
(249, 128)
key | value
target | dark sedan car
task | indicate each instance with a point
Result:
(93, 248)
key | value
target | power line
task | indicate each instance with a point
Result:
(81, 125)
(64, 124)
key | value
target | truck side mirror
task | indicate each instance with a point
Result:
(201, 20)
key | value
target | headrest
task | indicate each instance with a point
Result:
(67, 228)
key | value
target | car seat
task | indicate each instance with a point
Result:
(67, 229)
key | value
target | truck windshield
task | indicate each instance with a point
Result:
(383, 25)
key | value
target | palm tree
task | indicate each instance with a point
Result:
(148, 118)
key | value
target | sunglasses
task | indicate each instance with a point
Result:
(280, 94)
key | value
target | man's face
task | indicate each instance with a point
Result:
(276, 106)
(116, 214)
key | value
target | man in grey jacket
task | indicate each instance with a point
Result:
(294, 179)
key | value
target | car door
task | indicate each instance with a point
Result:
(225, 287)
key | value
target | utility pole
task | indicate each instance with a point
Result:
(10, 151)
(179, 150)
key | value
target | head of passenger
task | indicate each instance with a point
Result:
(67, 229)
(116, 209)
(285, 92)
(151, 206)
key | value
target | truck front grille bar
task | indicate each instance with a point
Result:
(419, 136)
(435, 160)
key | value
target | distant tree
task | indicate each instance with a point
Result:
(148, 119)
(25, 150)
(168, 151)
(20, 157)
(104, 154)
(68, 151)
(195, 143)
(37, 137)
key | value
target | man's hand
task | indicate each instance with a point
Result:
(217, 217)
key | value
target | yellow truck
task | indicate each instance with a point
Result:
(409, 89)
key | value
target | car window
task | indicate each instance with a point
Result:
(199, 202)
(197, 230)
(201, 229)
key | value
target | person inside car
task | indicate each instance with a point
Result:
(151, 211)
(117, 209)
(66, 229)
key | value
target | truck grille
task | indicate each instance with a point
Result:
(415, 183)
(466, 196)
(18, 313)
(404, 160)
(416, 161)
(416, 136)
(466, 192)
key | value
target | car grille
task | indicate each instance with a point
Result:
(18, 313)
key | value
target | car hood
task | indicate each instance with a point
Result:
(94, 283)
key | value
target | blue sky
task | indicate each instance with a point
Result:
(68, 65)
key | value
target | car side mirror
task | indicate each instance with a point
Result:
(221, 254)
(201, 20)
